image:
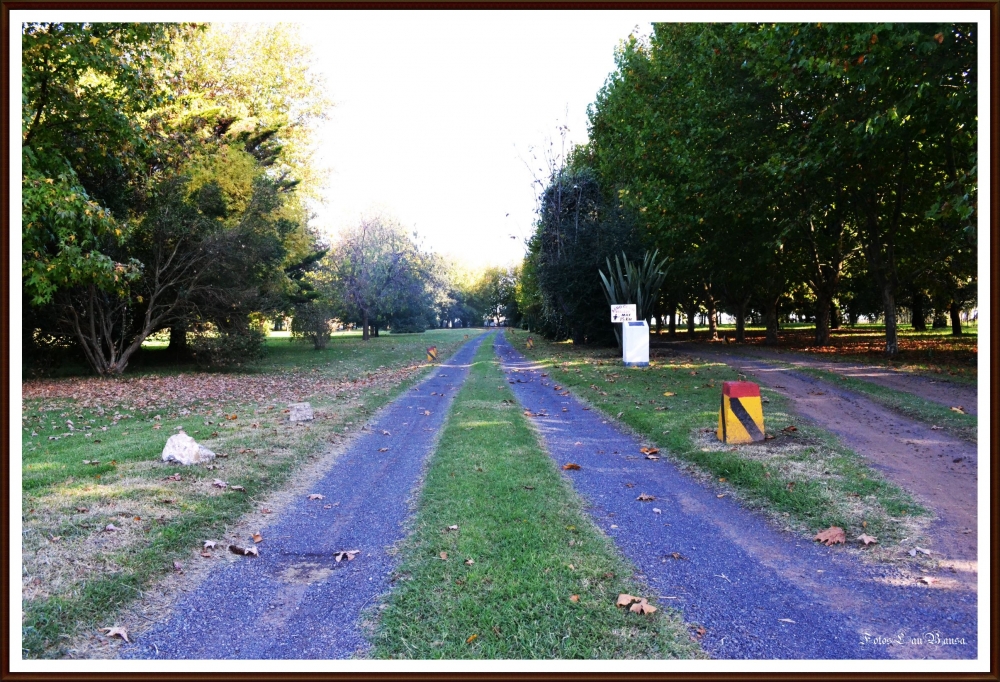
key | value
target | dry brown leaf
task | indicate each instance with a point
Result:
(82, 510)
(570, 466)
(959, 409)
(645, 498)
(427, 413)
(454, 527)
(238, 488)
(626, 599)
(173, 477)
(642, 607)
(315, 496)
(251, 551)
(649, 451)
(700, 631)
(444, 556)
(469, 562)
(219, 483)
(209, 544)
(179, 567)
(349, 555)
(111, 527)
(669, 393)
(831, 536)
(265, 510)
(257, 537)
(116, 631)
(207, 555)
(575, 598)
(471, 639)
(789, 429)
(867, 539)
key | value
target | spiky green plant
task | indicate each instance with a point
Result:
(637, 283)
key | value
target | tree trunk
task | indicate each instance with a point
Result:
(889, 306)
(672, 323)
(835, 319)
(713, 322)
(771, 322)
(956, 319)
(741, 321)
(659, 320)
(364, 327)
(823, 304)
(178, 341)
(917, 314)
(691, 311)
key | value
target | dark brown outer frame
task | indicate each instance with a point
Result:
(246, 674)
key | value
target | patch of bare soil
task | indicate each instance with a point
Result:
(940, 471)
(936, 390)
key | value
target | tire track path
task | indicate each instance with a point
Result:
(296, 601)
(758, 592)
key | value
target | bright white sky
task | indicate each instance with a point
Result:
(436, 115)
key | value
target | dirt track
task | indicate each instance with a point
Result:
(940, 471)
(939, 390)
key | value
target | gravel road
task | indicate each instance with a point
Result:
(759, 593)
(296, 601)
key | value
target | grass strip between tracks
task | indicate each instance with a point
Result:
(502, 585)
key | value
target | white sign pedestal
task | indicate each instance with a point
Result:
(635, 344)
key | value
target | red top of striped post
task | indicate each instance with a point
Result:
(740, 389)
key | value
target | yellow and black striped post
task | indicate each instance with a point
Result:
(432, 354)
(741, 417)
(531, 343)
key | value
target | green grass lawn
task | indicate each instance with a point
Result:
(802, 477)
(91, 457)
(525, 575)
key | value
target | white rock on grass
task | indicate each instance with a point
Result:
(183, 449)
(300, 412)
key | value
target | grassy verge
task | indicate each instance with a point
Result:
(965, 426)
(91, 457)
(802, 477)
(502, 584)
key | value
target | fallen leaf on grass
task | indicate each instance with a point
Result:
(641, 606)
(207, 555)
(349, 555)
(570, 465)
(959, 409)
(209, 544)
(669, 393)
(265, 510)
(471, 639)
(789, 429)
(179, 567)
(867, 539)
(238, 488)
(453, 527)
(645, 498)
(315, 496)
(444, 556)
(575, 598)
(111, 528)
(700, 631)
(120, 632)
(82, 510)
(469, 562)
(217, 483)
(257, 537)
(831, 536)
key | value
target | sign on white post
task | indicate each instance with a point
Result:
(623, 313)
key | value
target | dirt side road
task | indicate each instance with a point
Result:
(936, 389)
(940, 471)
